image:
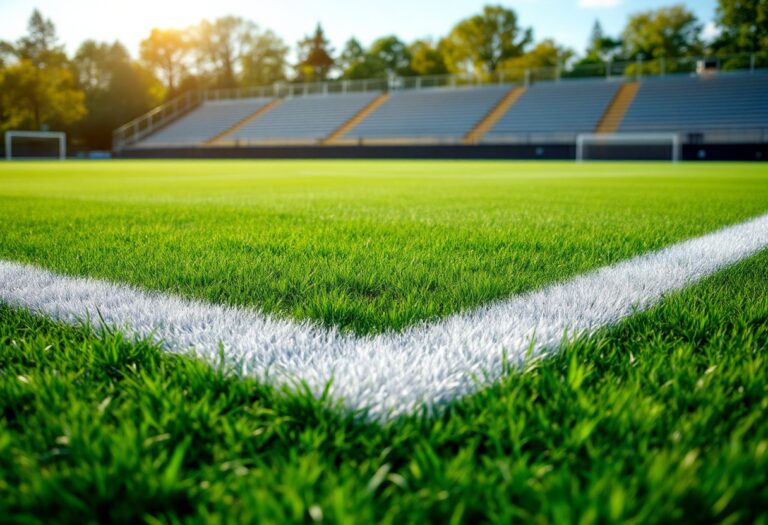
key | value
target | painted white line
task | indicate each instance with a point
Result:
(393, 373)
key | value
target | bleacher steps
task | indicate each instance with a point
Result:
(485, 125)
(617, 109)
(355, 120)
(219, 139)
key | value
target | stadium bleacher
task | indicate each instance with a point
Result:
(204, 123)
(306, 119)
(552, 112)
(695, 104)
(440, 114)
(564, 108)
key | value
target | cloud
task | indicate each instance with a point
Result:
(599, 4)
(711, 31)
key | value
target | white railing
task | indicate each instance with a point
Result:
(155, 119)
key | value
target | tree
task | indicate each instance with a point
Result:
(315, 60)
(116, 91)
(546, 55)
(484, 41)
(165, 52)
(35, 98)
(393, 53)
(602, 47)
(7, 52)
(743, 26)
(427, 59)
(37, 86)
(222, 44)
(264, 60)
(668, 32)
(40, 45)
(356, 63)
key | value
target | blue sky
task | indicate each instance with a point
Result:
(568, 21)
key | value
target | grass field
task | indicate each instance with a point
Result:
(368, 246)
(657, 419)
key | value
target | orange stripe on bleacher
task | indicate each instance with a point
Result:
(617, 109)
(485, 125)
(218, 139)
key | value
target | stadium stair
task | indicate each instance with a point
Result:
(477, 133)
(355, 120)
(614, 114)
(219, 139)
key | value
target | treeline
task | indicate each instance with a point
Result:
(101, 86)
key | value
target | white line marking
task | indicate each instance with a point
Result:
(393, 373)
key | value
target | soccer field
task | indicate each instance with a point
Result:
(656, 416)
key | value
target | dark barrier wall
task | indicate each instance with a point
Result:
(454, 151)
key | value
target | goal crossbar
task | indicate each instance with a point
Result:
(60, 136)
(635, 139)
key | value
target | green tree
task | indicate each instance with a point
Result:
(221, 46)
(35, 98)
(315, 57)
(669, 32)
(546, 56)
(393, 53)
(7, 52)
(264, 60)
(482, 42)
(165, 53)
(427, 59)
(743, 26)
(601, 49)
(37, 86)
(40, 45)
(116, 91)
(356, 63)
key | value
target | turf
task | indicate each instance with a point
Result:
(366, 246)
(658, 420)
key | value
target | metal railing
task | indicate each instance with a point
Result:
(155, 119)
(639, 68)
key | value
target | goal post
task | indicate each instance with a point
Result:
(60, 137)
(628, 146)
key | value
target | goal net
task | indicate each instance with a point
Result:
(628, 146)
(35, 145)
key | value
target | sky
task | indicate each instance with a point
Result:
(567, 21)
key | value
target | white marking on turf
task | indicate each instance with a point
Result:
(392, 373)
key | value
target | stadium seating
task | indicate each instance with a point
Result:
(304, 119)
(697, 104)
(565, 108)
(439, 114)
(719, 106)
(204, 123)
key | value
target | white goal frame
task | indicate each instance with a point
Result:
(57, 135)
(639, 139)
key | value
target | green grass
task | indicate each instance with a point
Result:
(367, 246)
(658, 420)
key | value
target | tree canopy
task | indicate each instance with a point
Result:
(482, 42)
(37, 88)
(743, 26)
(666, 32)
(165, 52)
(315, 56)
